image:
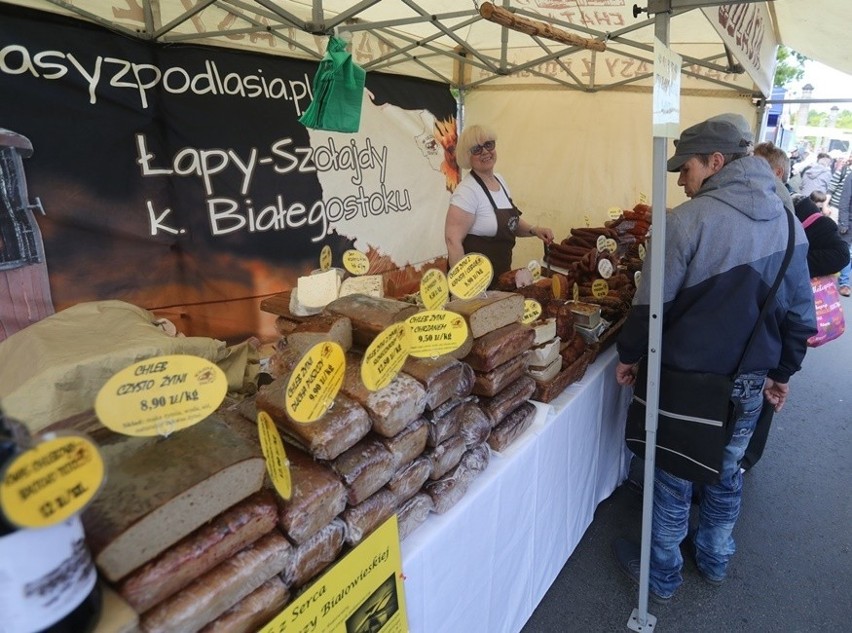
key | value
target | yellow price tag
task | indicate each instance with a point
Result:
(532, 310)
(325, 258)
(434, 291)
(642, 252)
(273, 452)
(315, 381)
(643, 198)
(614, 213)
(600, 288)
(535, 268)
(435, 332)
(356, 262)
(588, 221)
(575, 292)
(470, 276)
(51, 482)
(611, 245)
(385, 357)
(556, 287)
(161, 395)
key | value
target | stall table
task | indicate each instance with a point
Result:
(486, 563)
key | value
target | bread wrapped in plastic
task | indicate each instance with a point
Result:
(338, 429)
(474, 425)
(412, 513)
(317, 497)
(391, 408)
(253, 611)
(409, 479)
(497, 347)
(446, 491)
(476, 459)
(445, 421)
(508, 400)
(213, 593)
(445, 456)
(488, 383)
(443, 378)
(512, 427)
(364, 469)
(196, 554)
(407, 444)
(362, 519)
(314, 555)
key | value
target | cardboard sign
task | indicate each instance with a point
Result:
(356, 262)
(51, 482)
(435, 332)
(434, 291)
(315, 381)
(470, 276)
(161, 395)
(385, 357)
(273, 452)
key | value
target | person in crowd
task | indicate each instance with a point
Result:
(817, 177)
(482, 217)
(713, 294)
(844, 222)
(827, 252)
(835, 186)
(779, 162)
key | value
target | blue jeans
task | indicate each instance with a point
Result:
(718, 509)
(844, 273)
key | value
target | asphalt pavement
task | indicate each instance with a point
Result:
(793, 568)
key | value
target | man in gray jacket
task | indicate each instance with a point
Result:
(817, 177)
(844, 224)
(723, 250)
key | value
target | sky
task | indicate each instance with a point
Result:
(828, 84)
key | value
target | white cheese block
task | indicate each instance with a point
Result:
(317, 291)
(543, 355)
(297, 309)
(545, 330)
(370, 285)
(543, 374)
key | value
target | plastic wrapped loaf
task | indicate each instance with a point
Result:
(314, 555)
(364, 469)
(497, 347)
(474, 425)
(443, 378)
(445, 421)
(253, 611)
(413, 513)
(368, 515)
(446, 456)
(508, 400)
(512, 427)
(409, 479)
(448, 490)
(407, 444)
(491, 382)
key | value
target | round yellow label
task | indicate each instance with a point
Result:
(325, 258)
(532, 310)
(51, 482)
(600, 288)
(385, 357)
(273, 452)
(356, 262)
(535, 268)
(614, 213)
(575, 292)
(435, 332)
(470, 276)
(556, 287)
(161, 395)
(642, 252)
(434, 291)
(315, 381)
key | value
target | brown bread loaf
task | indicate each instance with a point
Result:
(511, 427)
(368, 515)
(489, 383)
(409, 479)
(508, 400)
(370, 315)
(318, 329)
(445, 421)
(253, 611)
(445, 456)
(364, 469)
(407, 444)
(474, 426)
(413, 513)
(314, 555)
(194, 555)
(497, 347)
(443, 378)
(484, 315)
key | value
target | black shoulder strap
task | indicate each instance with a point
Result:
(488, 192)
(788, 255)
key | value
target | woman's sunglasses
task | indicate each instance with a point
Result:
(476, 150)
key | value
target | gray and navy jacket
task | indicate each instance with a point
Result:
(724, 248)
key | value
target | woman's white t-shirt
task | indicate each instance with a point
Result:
(470, 197)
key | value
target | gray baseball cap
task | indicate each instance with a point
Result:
(725, 133)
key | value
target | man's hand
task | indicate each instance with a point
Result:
(775, 393)
(625, 374)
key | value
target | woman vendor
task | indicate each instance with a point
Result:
(482, 217)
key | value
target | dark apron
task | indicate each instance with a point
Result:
(498, 249)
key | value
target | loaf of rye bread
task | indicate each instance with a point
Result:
(319, 329)
(213, 593)
(253, 611)
(391, 408)
(314, 555)
(409, 479)
(474, 425)
(498, 346)
(489, 383)
(408, 443)
(364, 469)
(362, 519)
(511, 427)
(370, 315)
(413, 513)
(508, 400)
(447, 490)
(225, 535)
(443, 378)
(445, 421)
(489, 313)
(317, 497)
(445, 456)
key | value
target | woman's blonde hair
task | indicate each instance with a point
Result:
(470, 136)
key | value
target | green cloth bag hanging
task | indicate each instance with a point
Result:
(338, 89)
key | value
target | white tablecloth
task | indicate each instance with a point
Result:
(486, 564)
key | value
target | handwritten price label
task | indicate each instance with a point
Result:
(325, 258)
(605, 268)
(535, 268)
(614, 213)
(51, 482)
(385, 357)
(601, 243)
(532, 310)
(434, 291)
(470, 276)
(161, 395)
(273, 453)
(435, 332)
(315, 381)
(600, 288)
(356, 262)
(611, 245)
